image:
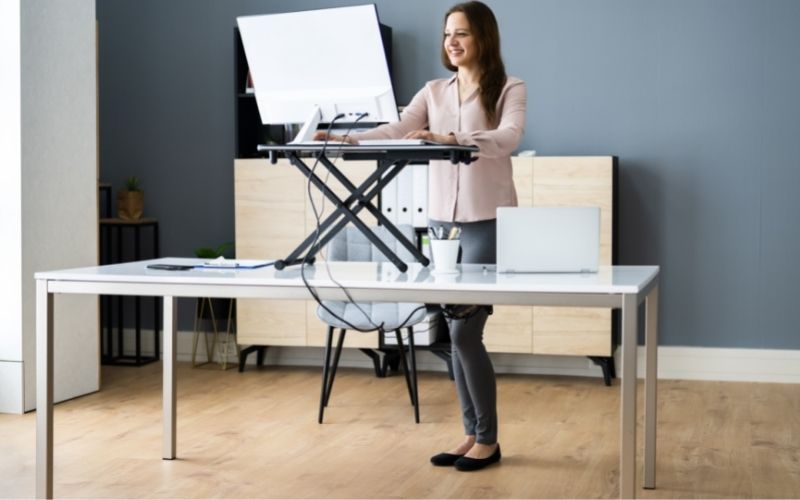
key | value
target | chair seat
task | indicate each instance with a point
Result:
(393, 316)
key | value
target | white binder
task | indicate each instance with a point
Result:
(420, 195)
(405, 201)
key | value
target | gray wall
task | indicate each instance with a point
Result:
(697, 98)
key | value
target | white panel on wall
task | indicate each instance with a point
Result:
(59, 182)
(10, 194)
(11, 387)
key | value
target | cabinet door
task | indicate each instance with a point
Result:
(510, 328)
(523, 179)
(575, 181)
(270, 213)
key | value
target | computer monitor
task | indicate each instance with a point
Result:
(314, 65)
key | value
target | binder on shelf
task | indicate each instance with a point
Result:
(389, 201)
(420, 195)
(405, 197)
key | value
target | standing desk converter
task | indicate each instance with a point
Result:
(390, 161)
(623, 287)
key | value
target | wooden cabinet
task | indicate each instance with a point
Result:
(270, 221)
(273, 216)
(560, 181)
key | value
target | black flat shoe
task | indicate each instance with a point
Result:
(469, 464)
(445, 459)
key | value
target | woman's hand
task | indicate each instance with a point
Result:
(427, 135)
(321, 136)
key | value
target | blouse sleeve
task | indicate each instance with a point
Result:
(414, 117)
(503, 140)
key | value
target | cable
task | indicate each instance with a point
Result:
(317, 233)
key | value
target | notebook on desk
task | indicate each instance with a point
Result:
(548, 239)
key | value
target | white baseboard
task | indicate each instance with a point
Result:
(726, 364)
(12, 387)
(684, 363)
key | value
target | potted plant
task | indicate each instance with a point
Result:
(130, 201)
(213, 253)
(220, 307)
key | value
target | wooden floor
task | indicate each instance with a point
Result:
(255, 435)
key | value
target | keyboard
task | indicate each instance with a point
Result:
(394, 142)
(368, 142)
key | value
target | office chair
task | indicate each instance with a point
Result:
(351, 245)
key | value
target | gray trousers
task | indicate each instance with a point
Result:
(472, 368)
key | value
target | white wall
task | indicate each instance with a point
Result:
(10, 207)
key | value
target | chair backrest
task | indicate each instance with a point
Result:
(351, 245)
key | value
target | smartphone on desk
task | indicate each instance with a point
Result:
(170, 267)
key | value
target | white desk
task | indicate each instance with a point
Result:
(619, 286)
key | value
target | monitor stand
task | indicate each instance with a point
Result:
(308, 129)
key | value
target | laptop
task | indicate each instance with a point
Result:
(548, 239)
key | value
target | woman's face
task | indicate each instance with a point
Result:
(459, 42)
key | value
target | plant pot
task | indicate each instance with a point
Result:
(130, 205)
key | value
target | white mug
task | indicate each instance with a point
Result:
(445, 255)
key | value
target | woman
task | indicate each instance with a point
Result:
(478, 106)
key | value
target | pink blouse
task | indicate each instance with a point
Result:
(465, 193)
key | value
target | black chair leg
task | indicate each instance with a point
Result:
(413, 372)
(401, 348)
(323, 392)
(336, 357)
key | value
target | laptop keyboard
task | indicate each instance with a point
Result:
(369, 142)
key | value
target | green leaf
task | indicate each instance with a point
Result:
(213, 253)
(132, 183)
(206, 253)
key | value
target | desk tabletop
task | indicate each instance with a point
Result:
(337, 146)
(375, 275)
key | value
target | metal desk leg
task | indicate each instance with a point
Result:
(137, 300)
(627, 464)
(650, 387)
(156, 322)
(169, 392)
(44, 391)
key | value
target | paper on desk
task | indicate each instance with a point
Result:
(223, 263)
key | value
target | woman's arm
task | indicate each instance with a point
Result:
(503, 140)
(414, 117)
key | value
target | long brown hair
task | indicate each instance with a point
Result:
(484, 28)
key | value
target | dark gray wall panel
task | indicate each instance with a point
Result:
(697, 98)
